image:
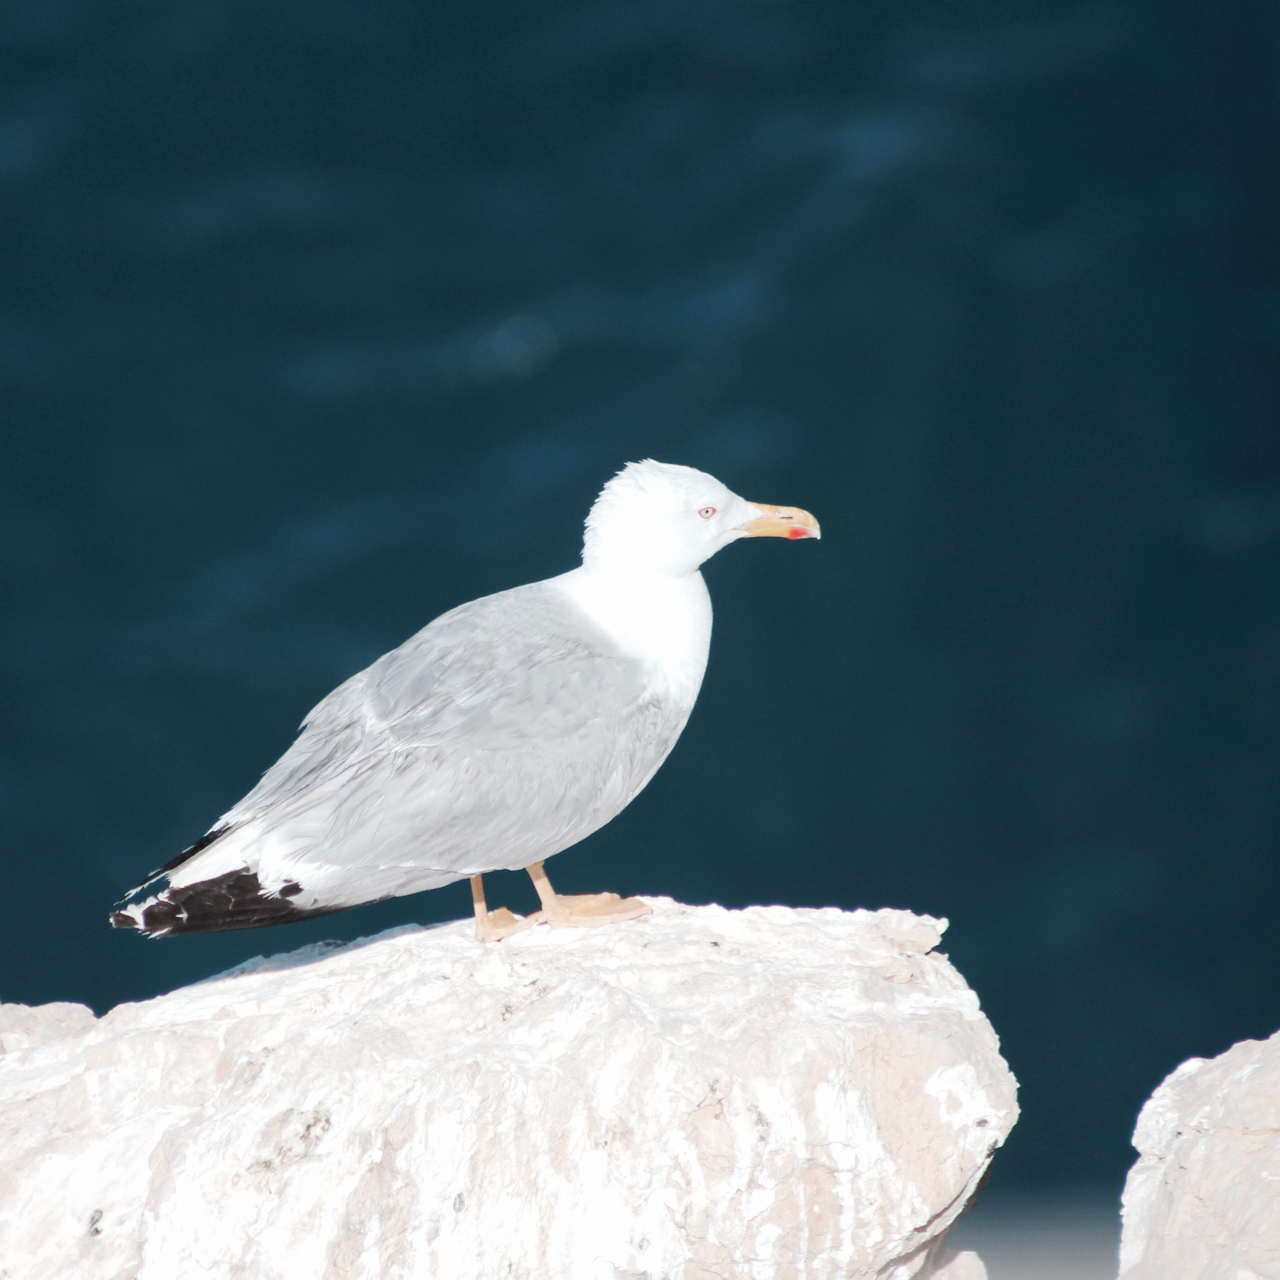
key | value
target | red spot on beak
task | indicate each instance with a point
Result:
(798, 532)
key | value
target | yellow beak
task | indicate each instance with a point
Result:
(781, 522)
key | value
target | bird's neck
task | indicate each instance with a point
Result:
(662, 619)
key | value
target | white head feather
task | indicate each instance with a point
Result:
(663, 518)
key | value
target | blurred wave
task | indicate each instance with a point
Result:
(317, 319)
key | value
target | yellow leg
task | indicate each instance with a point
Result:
(582, 911)
(494, 925)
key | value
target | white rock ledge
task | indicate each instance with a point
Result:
(766, 1094)
(1203, 1200)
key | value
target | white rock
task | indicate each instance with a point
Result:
(1203, 1200)
(22, 1027)
(766, 1094)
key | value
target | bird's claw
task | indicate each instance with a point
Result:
(502, 923)
(586, 910)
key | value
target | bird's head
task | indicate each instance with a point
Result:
(664, 518)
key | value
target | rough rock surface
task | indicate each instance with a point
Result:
(766, 1094)
(1203, 1200)
(24, 1028)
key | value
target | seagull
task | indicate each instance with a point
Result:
(503, 732)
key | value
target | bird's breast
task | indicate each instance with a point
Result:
(663, 622)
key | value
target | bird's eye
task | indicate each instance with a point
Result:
(707, 512)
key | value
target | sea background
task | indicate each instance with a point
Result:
(317, 319)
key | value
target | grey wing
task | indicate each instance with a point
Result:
(505, 731)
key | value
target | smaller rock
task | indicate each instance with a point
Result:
(1204, 1197)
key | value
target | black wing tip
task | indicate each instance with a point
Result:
(235, 900)
(190, 852)
(155, 888)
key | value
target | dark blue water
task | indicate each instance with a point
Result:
(319, 318)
